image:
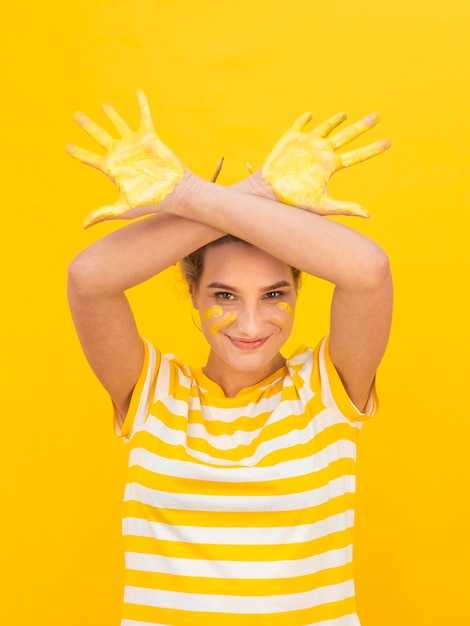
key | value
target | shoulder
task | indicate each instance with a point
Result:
(162, 375)
(313, 368)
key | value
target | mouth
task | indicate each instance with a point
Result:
(248, 344)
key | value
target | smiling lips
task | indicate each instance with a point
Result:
(243, 344)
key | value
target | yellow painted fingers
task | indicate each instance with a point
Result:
(325, 128)
(146, 120)
(120, 125)
(362, 154)
(344, 136)
(85, 156)
(96, 132)
(301, 122)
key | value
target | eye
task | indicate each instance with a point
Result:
(224, 295)
(273, 294)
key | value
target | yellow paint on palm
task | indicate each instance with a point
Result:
(224, 319)
(141, 166)
(293, 173)
(300, 165)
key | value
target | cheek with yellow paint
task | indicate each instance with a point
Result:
(286, 316)
(221, 320)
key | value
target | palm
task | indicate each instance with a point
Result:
(141, 166)
(301, 164)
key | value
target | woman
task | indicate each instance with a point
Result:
(240, 492)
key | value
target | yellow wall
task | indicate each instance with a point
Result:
(225, 79)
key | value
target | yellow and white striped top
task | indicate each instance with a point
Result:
(240, 510)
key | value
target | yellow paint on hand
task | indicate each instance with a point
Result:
(141, 166)
(300, 165)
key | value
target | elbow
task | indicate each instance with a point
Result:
(377, 271)
(81, 277)
(369, 271)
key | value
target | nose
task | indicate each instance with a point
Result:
(250, 322)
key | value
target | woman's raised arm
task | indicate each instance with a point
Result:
(194, 212)
(145, 172)
(358, 267)
(297, 171)
(97, 280)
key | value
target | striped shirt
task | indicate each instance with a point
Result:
(240, 510)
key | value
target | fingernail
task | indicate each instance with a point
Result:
(371, 119)
(79, 117)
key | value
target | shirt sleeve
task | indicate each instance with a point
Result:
(333, 391)
(141, 396)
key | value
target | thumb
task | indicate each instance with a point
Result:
(101, 214)
(330, 206)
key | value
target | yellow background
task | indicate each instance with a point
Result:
(226, 79)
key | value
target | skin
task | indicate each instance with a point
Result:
(251, 327)
(223, 320)
(190, 213)
(297, 170)
(285, 308)
(143, 168)
(301, 180)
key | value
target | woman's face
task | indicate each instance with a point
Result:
(246, 300)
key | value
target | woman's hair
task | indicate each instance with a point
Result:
(192, 265)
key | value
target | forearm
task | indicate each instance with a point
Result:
(150, 177)
(135, 253)
(98, 278)
(314, 244)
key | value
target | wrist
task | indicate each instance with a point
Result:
(189, 197)
(255, 185)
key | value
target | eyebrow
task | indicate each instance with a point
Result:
(281, 283)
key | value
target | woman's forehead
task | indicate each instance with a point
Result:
(240, 261)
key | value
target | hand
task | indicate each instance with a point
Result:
(299, 167)
(141, 166)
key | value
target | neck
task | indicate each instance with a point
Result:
(232, 381)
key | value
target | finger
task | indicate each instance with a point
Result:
(146, 121)
(362, 154)
(302, 121)
(96, 132)
(249, 167)
(85, 156)
(330, 206)
(325, 128)
(344, 136)
(120, 125)
(111, 212)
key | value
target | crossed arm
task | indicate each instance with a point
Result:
(187, 212)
